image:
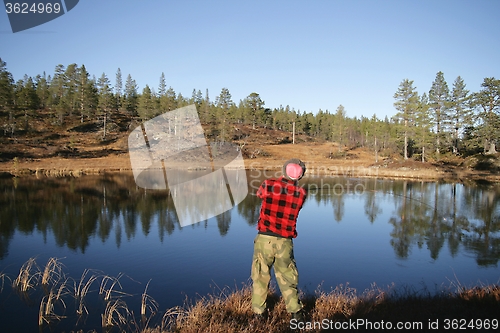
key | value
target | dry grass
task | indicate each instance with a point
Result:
(47, 313)
(338, 303)
(28, 277)
(81, 289)
(229, 310)
(4, 277)
(52, 273)
(108, 289)
(116, 314)
(317, 155)
(149, 307)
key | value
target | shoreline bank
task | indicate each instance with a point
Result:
(77, 167)
(230, 309)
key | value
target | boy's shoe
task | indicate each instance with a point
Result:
(298, 316)
(258, 319)
(260, 316)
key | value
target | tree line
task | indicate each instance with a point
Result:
(444, 120)
(425, 125)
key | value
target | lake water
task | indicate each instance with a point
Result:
(360, 232)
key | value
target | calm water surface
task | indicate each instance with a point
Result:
(360, 232)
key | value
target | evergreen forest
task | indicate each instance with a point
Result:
(446, 119)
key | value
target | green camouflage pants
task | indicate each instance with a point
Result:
(269, 250)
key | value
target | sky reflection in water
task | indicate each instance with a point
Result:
(416, 234)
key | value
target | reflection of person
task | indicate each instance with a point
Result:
(282, 200)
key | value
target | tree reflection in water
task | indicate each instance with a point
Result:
(429, 214)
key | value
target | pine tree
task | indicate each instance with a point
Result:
(197, 98)
(163, 99)
(438, 101)
(42, 89)
(339, 127)
(181, 101)
(488, 102)
(119, 89)
(325, 121)
(131, 96)
(376, 130)
(83, 79)
(26, 99)
(388, 133)
(305, 123)
(364, 131)
(25, 94)
(171, 99)
(69, 87)
(56, 98)
(162, 88)
(18, 90)
(423, 123)
(204, 109)
(146, 104)
(224, 103)
(266, 117)
(255, 106)
(106, 101)
(406, 104)
(460, 112)
(87, 94)
(6, 87)
(33, 102)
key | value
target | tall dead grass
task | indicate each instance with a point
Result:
(149, 307)
(27, 279)
(54, 290)
(229, 309)
(47, 311)
(53, 272)
(80, 290)
(3, 278)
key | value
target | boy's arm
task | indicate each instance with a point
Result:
(262, 192)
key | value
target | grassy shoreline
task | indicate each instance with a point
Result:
(230, 309)
(341, 308)
(75, 167)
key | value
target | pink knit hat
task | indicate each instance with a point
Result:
(294, 169)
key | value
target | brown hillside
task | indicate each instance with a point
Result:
(76, 148)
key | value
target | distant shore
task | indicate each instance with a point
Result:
(76, 167)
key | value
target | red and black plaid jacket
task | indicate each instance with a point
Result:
(282, 200)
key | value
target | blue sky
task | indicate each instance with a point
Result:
(309, 55)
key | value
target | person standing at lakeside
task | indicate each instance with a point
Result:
(282, 199)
